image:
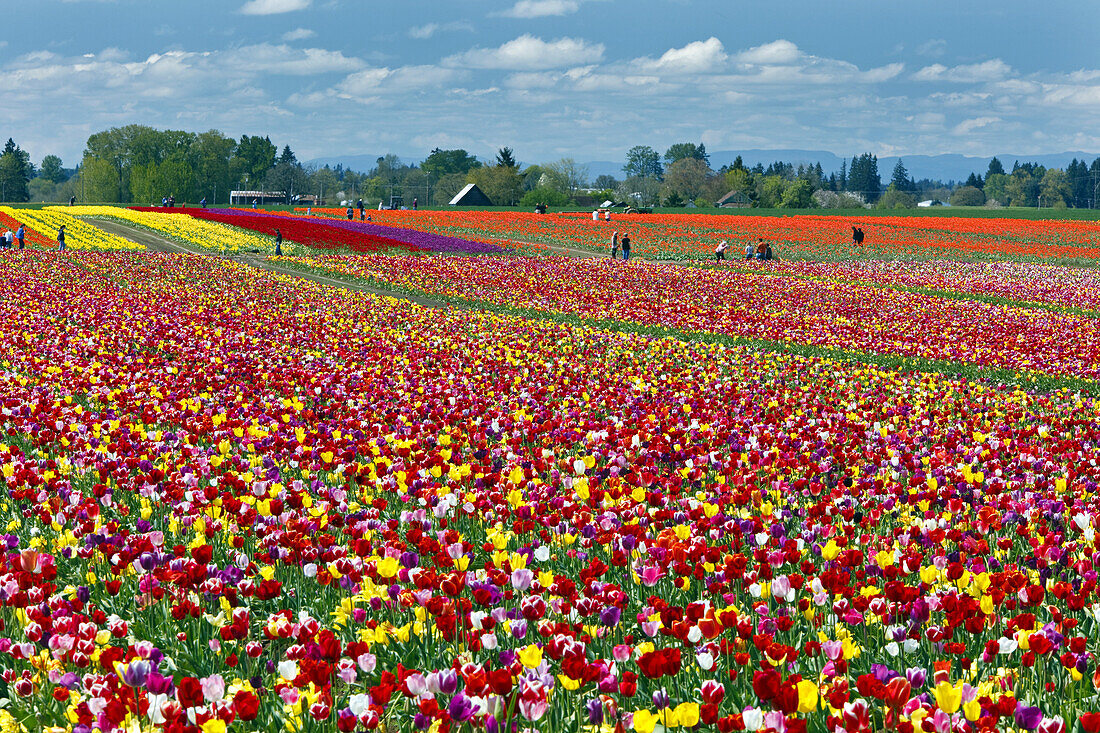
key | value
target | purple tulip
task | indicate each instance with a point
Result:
(595, 711)
(610, 616)
(135, 673)
(1028, 717)
(158, 684)
(461, 707)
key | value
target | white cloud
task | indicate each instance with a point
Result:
(374, 81)
(540, 8)
(883, 73)
(992, 70)
(428, 30)
(299, 34)
(933, 47)
(291, 61)
(776, 52)
(273, 7)
(530, 53)
(975, 123)
(695, 57)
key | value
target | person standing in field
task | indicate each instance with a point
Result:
(20, 233)
(626, 247)
(615, 244)
(760, 248)
(416, 203)
(720, 251)
(203, 202)
(72, 201)
(607, 215)
(350, 213)
(61, 238)
(595, 215)
(278, 242)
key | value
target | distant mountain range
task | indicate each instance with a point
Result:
(948, 167)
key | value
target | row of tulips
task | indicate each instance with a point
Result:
(191, 232)
(756, 304)
(238, 500)
(802, 236)
(44, 225)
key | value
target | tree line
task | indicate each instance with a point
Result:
(140, 164)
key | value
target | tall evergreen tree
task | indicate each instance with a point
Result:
(15, 172)
(505, 159)
(900, 177)
(842, 180)
(995, 167)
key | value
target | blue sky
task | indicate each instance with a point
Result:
(552, 78)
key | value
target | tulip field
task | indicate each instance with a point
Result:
(800, 237)
(823, 494)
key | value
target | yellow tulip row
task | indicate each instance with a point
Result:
(192, 232)
(79, 234)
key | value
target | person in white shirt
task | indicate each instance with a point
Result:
(720, 251)
(595, 215)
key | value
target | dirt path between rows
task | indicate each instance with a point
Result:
(156, 243)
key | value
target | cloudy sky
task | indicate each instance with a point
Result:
(584, 78)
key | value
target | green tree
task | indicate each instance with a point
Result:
(441, 162)
(52, 170)
(643, 161)
(15, 173)
(863, 177)
(210, 154)
(288, 156)
(642, 190)
(502, 184)
(738, 179)
(680, 151)
(446, 187)
(995, 188)
(505, 159)
(995, 168)
(604, 181)
(252, 159)
(968, 196)
(1022, 186)
(290, 178)
(770, 190)
(324, 182)
(900, 178)
(1054, 188)
(565, 175)
(798, 195)
(687, 178)
(99, 180)
(895, 198)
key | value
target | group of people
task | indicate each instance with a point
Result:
(10, 239)
(606, 215)
(169, 202)
(857, 235)
(760, 251)
(618, 243)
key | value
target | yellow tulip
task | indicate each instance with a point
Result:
(948, 697)
(530, 656)
(807, 696)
